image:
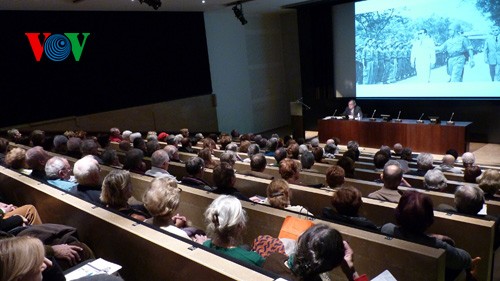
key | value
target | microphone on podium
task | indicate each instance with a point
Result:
(397, 119)
(373, 114)
(451, 117)
(420, 119)
(333, 115)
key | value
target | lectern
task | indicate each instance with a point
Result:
(297, 120)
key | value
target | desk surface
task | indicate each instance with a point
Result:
(421, 137)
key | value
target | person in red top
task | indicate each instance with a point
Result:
(115, 135)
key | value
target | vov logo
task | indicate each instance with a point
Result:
(57, 47)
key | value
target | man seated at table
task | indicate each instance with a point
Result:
(352, 110)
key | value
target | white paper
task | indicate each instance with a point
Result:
(384, 276)
(98, 266)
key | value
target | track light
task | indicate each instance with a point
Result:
(153, 3)
(238, 13)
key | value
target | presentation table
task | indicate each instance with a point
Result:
(420, 137)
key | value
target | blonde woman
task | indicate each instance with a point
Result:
(115, 193)
(162, 200)
(279, 195)
(22, 259)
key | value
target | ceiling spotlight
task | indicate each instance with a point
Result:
(153, 3)
(238, 13)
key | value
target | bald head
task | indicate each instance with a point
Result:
(392, 176)
(448, 159)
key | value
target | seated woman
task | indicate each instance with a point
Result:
(320, 249)
(226, 221)
(489, 182)
(414, 215)
(206, 155)
(289, 171)
(335, 177)
(279, 195)
(115, 193)
(195, 168)
(346, 201)
(162, 200)
(22, 258)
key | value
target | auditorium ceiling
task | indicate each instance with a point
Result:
(249, 6)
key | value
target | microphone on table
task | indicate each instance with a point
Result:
(397, 119)
(420, 119)
(451, 117)
(373, 114)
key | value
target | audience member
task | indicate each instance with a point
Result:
(435, 180)
(292, 151)
(346, 201)
(102, 140)
(17, 216)
(134, 161)
(14, 135)
(116, 192)
(471, 173)
(279, 196)
(224, 180)
(354, 146)
(186, 146)
(229, 157)
(124, 145)
(209, 143)
(258, 165)
(90, 147)
(73, 146)
(126, 135)
(153, 145)
(424, 164)
(252, 150)
(195, 168)
(489, 182)
(133, 136)
(60, 144)
(110, 158)
(22, 258)
(37, 138)
(226, 222)
(468, 159)
(4, 144)
(307, 161)
(391, 178)
(318, 153)
(386, 149)
(398, 149)
(279, 155)
(330, 150)
(469, 200)
(319, 249)
(115, 135)
(184, 132)
(206, 155)
(36, 158)
(173, 153)
(159, 165)
(87, 175)
(452, 152)
(58, 171)
(140, 144)
(244, 146)
(414, 215)
(289, 171)
(379, 160)
(407, 154)
(348, 165)
(448, 165)
(15, 159)
(335, 176)
(271, 146)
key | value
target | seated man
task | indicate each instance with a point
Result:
(391, 178)
(468, 159)
(424, 164)
(58, 171)
(307, 161)
(335, 177)
(448, 165)
(258, 165)
(159, 165)
(379, 160)
(224, 180)
(36, 158)
(87, 175)
(195, 167)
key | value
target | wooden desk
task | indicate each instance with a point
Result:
(422, 137)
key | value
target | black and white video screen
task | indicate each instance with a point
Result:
(419, 49)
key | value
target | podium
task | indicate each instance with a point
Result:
(297, 120)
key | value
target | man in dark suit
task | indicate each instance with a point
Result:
(492, 53)
(352, 110)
